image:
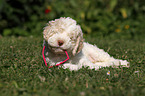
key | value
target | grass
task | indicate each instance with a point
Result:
(23, 73)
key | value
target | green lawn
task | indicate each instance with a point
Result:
(22, 70)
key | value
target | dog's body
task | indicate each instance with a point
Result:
(65, 35)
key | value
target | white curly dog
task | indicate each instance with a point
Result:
(63, 35)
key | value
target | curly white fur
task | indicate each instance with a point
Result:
(64, 34)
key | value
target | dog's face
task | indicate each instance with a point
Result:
(63, 34)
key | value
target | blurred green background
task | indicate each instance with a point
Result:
(114, 18)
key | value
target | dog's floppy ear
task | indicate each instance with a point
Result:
(46, 32)
(79, 43)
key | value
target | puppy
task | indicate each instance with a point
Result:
(63, 35)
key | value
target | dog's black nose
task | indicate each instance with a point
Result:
(60, 42)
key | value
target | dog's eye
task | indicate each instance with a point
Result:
(71, 35)
(71, 38)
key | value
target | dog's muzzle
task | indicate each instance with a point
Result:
(57, 50)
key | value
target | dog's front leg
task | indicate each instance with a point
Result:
(87, 63)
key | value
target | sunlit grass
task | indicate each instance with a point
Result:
(22, 70)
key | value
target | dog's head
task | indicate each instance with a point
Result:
(63, 34)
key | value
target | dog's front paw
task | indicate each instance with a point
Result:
(70, 66)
